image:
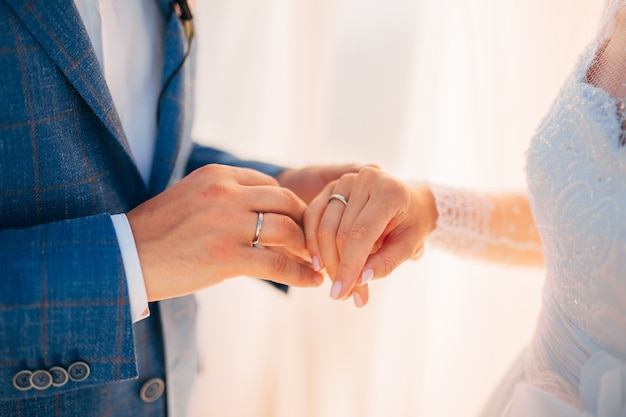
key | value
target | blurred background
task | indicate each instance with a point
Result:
(444, 91)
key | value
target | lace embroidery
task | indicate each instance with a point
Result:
(470, 223)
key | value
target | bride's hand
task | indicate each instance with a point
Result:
(383, 224)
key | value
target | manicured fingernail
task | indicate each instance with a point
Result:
(367, 276)
(316, 263)
(358, 301)
(335, 290)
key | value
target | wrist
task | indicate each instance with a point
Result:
(427, 207)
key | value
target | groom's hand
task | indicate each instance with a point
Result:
(199, 232)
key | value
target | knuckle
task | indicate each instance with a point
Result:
(290, 232)
(325, 231)
(368, 172)
(209, 170)
(346, 179)
(346, 268)
(219, 190)
(343, 236)
(289, 197)
(359, 232)
(286, 226)
(279, 264)
(389, 265)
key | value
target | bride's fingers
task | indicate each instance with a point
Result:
(369, 226)
(386, 260)
(312, 218)
(328, 228)
(349, 231)
(347, 228)
(360, 295)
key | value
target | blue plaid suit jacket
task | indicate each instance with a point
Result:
(65, 167)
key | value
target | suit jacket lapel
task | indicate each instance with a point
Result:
(58, 28)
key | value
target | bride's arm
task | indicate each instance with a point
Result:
(493, 227)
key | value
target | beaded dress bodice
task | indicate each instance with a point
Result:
(576, 171)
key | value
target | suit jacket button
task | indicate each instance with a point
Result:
(21, 380)
(78, 371)
(41, 379)
(152, 390)
(59, 376)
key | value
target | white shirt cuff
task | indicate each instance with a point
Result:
(132, 267)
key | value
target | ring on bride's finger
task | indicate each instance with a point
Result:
(257, 231)
(338, 197)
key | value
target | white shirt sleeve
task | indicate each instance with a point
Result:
(132, 267)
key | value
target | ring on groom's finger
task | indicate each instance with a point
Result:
(257, 231)
(338, 197)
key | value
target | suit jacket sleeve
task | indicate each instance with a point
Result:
(202, 155)
(59, 281)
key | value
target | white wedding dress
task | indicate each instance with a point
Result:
(576, 171)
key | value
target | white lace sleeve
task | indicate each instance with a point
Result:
(492, 227)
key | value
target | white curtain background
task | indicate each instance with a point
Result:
(444, 91)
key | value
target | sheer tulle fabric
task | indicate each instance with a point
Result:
(576, 172)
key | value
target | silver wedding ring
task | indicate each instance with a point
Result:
(257, 232)
(338, 197)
